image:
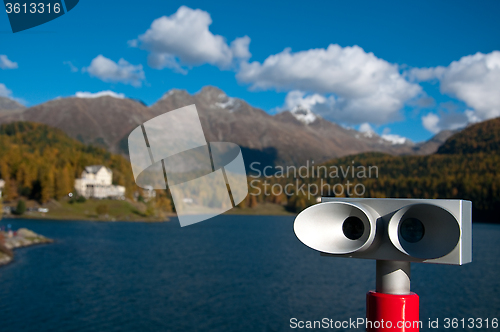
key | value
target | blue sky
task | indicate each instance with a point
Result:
(388, 69)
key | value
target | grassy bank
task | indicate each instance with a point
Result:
(94, 209)
(126, 210)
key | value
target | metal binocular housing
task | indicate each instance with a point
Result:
(412, 230)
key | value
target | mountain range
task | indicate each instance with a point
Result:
(289, 137)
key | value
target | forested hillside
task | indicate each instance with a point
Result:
(41, 163)
(467, 167)
(481, 137)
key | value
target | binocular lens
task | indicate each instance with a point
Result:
(353, 228)
(412, 230)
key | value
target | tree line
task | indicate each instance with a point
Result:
(466, 167)
(41, 163)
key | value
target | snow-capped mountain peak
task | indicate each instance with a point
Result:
(369, 134)
(304, 115)
(107, 93)
(227, 102)
(394, 139)
(367, 131)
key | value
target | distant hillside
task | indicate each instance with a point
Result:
(7, 104)
(287, 138)
(467, 167)
(41, 163)
(290, 137)
(480, 137)
(104, 121)
(433, 144)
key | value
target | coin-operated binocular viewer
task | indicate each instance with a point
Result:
(394, 232)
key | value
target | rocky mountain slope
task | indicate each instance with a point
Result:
(432, 145)
(290, 137)
(104, 121)
(7, 104)
(286, 138)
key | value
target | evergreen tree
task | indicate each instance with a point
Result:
(21, 207)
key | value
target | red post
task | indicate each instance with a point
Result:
(392, 312)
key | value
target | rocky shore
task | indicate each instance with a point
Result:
(22, 238)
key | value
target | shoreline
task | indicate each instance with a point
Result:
(79, 218)
(265, 209)
(21, 239)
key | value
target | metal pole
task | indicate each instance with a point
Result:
(393, 277)
(392, 307)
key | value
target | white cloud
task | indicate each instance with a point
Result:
(110, 71)
(297, 98)
(184, 38)
(366, 128)
(358, 86)
(165, 60)
(425, 74)
(422, 101)
(240, 48)
(393, 138)
(474, 79)
(431, 123)
(447, 121)
(472, 116)
(4, 91)
(133, 43)
(71, 66)
(5, 63)
(100, 94)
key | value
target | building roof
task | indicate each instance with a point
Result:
(95, 168)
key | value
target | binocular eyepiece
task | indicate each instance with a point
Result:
(433, 231)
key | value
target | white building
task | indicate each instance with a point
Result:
(149, 193)
(97, 182)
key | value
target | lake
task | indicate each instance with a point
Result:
(229, 273)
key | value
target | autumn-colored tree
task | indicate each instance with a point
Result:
(35, 158)
(41, 163)
(252, 201)
(150, 209)
(4, 172)
(243, 204)
(47, 183)
(62, 183)
(163, 205)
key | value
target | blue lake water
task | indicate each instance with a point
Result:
(230, 273)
